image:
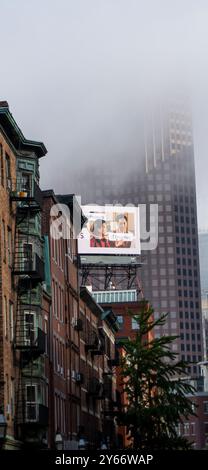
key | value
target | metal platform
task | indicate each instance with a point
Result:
(107, 272)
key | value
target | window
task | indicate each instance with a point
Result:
(29, 327)
(170, 250)
(26, 182)
(56, 300)
(57, 363)
(8, 170)
(120, 320)
(4, 240)
(5, 318)
(11, 320)
(9, 236)
(53, 297)
(134, 324)
(206, 407)
(12, 397)
(186, 429)
(27, 256)
(60, 303)
(31, 403)
(46, 335)
(61, 253)
(54, 353)
(192, 429)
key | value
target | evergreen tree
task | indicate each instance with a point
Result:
(156, 384)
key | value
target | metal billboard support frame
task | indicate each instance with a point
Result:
(113, 276)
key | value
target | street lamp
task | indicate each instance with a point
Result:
(103, 446)
(3, 428)
(59, 441)
(82, 444)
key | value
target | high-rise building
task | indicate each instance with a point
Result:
(163, 174)
(203, 255)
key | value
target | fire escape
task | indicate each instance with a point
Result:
(31, 417)
(101, 388)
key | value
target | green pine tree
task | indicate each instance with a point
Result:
(156, 384)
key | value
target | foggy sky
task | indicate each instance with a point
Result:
(78, 73)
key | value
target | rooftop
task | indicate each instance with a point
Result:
(15, 135)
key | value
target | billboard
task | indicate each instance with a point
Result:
(110, 230)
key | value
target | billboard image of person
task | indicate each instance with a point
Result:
(110, 230)
(99, 235)
(122, 227)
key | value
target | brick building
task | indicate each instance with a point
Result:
(7, 294)
(81, 341)
(97, 356)
(23, 392)
(124, 304)
(59, 378)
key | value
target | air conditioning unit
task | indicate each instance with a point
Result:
(79, 377)
(58, 368)
(73, 374)
(8, 409)
(9, 184)
(78, 325)
(62, 371)
(73, 321)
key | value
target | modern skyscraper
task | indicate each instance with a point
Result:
(163, 174)
(203, 255)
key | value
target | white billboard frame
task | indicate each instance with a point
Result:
(114, 236)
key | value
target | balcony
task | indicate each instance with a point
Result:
(35, 414)
(30, 342)
(28, 193)
(107, 388)
(94, 344)
(78, 325)
(31, 265)
(95, 388)
(114, 362)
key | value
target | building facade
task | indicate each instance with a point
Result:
(7, 293)
(97, 356)
(23, 381)
(81, 342)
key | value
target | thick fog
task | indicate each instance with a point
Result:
(79, 75)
